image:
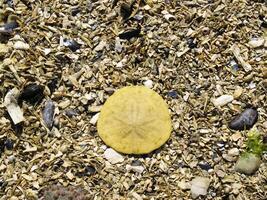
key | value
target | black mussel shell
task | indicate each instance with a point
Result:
(48, 114)
(32, 93)
(244, 120)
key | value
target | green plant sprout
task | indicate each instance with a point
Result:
(255, 144)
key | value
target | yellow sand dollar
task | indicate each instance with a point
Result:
(134, 120)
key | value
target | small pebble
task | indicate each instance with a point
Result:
(223, 100)
(148, 84)
(248, 164)
(112, 156)
(233, 152)
(245, 120)
(199, 186)
(238, 92)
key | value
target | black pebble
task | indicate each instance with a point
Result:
(32, 93)
(9, 144)
(127, 35)
(245, 120)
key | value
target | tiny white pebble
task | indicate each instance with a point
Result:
(148, 84)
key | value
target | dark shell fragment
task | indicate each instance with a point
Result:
(10, 26)
(192, 43)
(72, 44)
(2, 145)
(127, 35)
(10, 3)
(32, 93)
(9, 144)
(48, 114)
(52, 84)
(125, 11)
(245, 120)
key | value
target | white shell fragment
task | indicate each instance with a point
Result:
(21, 45)
(112, 156)
(223, 100)
(256, 42)
(199, 186)
(167, 15)
(12, 106)
(138, 169)
(236, 51)
(94, 119)
(102, 44)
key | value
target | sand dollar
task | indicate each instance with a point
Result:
(134, 120)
